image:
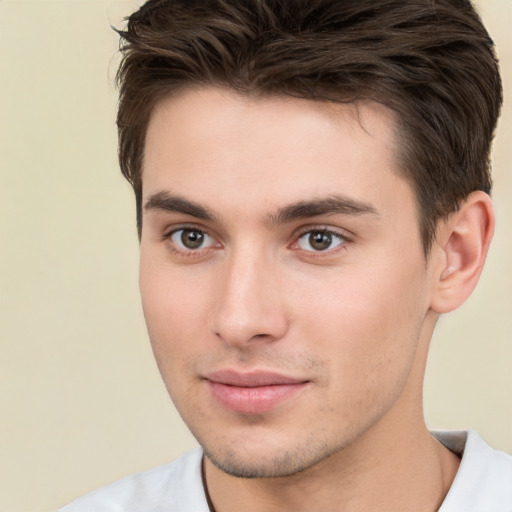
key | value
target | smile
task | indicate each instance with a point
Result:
(253, 393)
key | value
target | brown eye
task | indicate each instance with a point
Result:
(189, 239)
(320, 241)
(192, 239)
(317, 240)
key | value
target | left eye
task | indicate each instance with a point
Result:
(189, 239)
(319, 240)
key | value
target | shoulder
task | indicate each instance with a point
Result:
(484, 479)
(176, 486)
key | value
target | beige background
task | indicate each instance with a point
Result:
(81, 402)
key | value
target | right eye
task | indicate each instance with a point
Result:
(191, 239)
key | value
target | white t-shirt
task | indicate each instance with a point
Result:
(482, 484)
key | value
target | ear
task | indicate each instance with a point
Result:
(459, 252)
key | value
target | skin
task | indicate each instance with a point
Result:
(352, 321)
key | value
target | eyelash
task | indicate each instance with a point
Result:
(341, 237)
(167, 237)
(199, 252)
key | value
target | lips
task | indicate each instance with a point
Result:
(253, 392)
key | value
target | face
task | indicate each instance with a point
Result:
(282, 275)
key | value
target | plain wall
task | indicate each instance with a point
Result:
(81, 402)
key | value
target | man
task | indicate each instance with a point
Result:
(312, 186)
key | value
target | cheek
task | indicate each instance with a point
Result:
(172, 318)
(173, 313)
(369, 324)
(170, 296)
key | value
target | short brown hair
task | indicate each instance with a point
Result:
(431, 61)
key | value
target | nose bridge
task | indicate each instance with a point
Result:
(249, 304)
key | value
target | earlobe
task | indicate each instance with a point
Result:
(461, 246)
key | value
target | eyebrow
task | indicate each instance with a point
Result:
(169, 203)
(331, 205)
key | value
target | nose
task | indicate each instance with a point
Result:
(249, 302)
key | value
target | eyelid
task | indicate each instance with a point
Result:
(336, 232)
(170, 230)
(183, 251)
(343, 233)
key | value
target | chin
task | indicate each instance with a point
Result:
(276, 463)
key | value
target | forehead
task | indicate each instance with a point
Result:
(213, 145)
(204, 111)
